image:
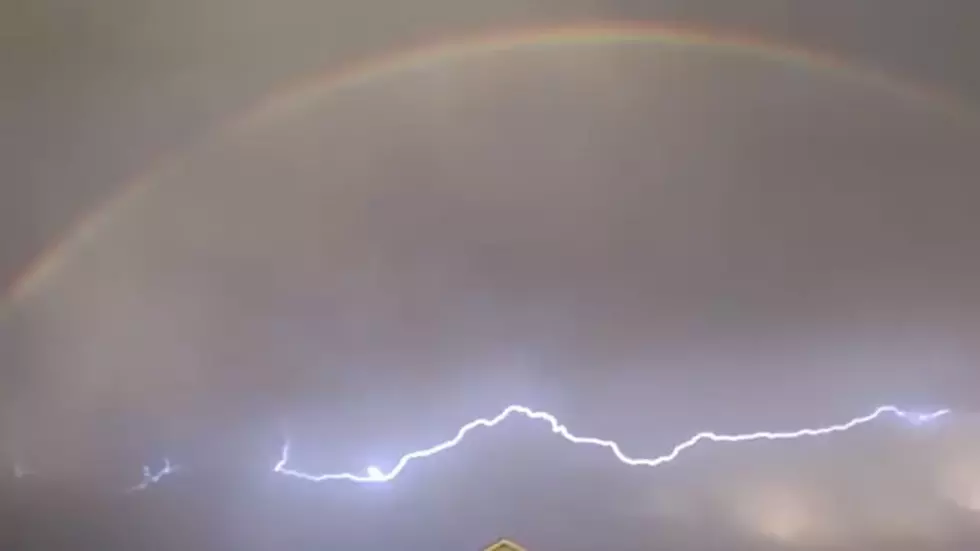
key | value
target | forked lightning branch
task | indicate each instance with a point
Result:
(376, 475)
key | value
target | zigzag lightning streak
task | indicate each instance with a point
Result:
(376, 475)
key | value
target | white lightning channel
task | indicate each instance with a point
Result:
(149, 477)
(376, 475)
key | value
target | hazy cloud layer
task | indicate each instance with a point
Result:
(649, 241)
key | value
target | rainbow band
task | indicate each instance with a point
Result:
(295, 99)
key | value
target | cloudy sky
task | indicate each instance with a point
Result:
(646, 240)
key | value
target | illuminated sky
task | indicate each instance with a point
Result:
(649, 241)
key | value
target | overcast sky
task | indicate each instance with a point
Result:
(647, 241)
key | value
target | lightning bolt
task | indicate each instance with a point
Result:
(376, 475)
(149, 477)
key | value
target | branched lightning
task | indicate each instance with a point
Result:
(149, 477)
(376, 475)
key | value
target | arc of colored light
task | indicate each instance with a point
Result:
(376, 475)
(294, 98)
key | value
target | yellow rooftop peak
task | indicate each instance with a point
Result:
(504, 545)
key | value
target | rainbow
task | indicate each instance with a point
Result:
(295, 98)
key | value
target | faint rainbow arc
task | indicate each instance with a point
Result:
(294, 98)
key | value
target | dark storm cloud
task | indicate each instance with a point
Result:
(648, 242)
